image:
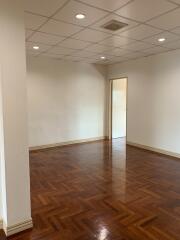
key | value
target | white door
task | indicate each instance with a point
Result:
(119, 88)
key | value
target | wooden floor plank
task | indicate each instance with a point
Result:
(103, 191)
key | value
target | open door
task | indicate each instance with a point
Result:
(118, 107)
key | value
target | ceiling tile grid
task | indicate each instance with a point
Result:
(44, 7)
(173, 45)
(99, 24)
(33, 22)
(74, 44)
(143, 10)
(167, 21)
(166, 35)
(55, 56)
(107, 4)
(97, 48)
(60, 28)
(45, 38)
(73, 7)
(84, 53)
(53, 26)
(61, 50)
(28, 33)
(91, 35)
(140, 32)
(138, 46)
(117, 41)
(42, 47)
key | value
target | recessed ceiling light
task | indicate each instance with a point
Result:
(80, 16)
(161, 39)
(103, 57)
(36, 47)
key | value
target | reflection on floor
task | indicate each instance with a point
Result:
(103, 191)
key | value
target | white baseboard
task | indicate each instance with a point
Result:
(67, 143)
(11, 230)
(1, 224)
(157, 150)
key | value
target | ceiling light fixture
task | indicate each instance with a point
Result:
(36, 47)
(80, 16)
(103, 57)
(161, 39)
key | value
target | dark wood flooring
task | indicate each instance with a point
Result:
(102, 191)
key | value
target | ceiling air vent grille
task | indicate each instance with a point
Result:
(114, 25)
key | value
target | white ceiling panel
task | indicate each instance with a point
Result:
(97, 48)
(143, 10)
(44, 7)
(61, 50)
(117, 41)
(74, 44)
(109, 5)
(140, 32)
(84, 54)
(91, 35)
(118, 52)
(42, 47)
(60, 28)
(53, 27)
(110, 17)
(167, 35)
(33, 22)
(74, 58)
(56, 56)
(167, 21)
(106, 62)
(90, 61)
(69, 12)
(122, 59)
(119, 59)
(134, 55)
(137, 46)
(173, 45)
(155, 50)
(176, 30)
(32, 53)
(46, 38)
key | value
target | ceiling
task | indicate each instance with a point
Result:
(52, 25)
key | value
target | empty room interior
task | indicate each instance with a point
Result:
(90, 119)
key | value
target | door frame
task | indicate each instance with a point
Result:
(110, 104)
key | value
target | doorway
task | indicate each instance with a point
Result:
(118, 110)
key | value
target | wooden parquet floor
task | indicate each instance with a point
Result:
(101, 191)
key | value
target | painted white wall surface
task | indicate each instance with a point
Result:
(66, 101)
(2, 177)
(153, 114)
(119, 108)
(0, 196)
(15, 183)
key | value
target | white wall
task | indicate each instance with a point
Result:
(153, 100)
(0, 198)
(2, 177)
(15, 184)
(66, 101)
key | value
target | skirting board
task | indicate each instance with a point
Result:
(67, 143)
(11, 230)
(157, 150)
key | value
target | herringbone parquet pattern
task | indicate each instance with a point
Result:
(99, 191)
